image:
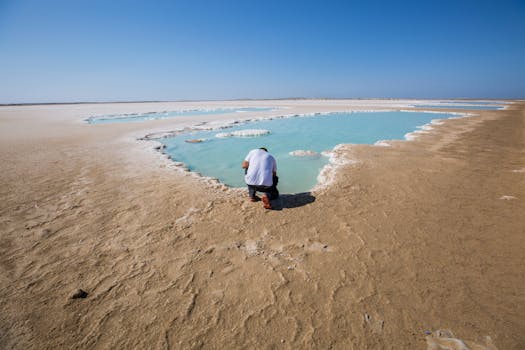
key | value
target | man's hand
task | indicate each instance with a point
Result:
(245, 164)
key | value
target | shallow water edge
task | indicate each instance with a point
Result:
(337, 156)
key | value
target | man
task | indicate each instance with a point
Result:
(261, 175)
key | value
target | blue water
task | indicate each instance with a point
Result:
(222, 157)
(140, 117)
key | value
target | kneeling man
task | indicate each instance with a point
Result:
(261, 175)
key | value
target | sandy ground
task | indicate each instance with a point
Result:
(415, 246)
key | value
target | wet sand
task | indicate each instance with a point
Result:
(415, 245)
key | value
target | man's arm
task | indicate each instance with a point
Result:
(246, 161)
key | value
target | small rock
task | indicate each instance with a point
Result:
(45, 232)
(79, 294)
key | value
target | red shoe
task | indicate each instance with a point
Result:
(266, 202)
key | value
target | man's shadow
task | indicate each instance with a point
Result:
(289, 201)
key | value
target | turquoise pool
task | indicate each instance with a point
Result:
(221, 157)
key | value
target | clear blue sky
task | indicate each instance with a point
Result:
(168, 50)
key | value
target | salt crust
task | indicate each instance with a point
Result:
(244, 133)
(303, 153)
(166, 113)
(167, 162)
(382, 143)
(336, 156)
(426, 128)
(500, 104)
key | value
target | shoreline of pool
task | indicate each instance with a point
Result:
(336, 158)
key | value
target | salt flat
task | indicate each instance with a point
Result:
(412, 239)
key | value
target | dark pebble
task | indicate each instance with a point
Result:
(79, 294)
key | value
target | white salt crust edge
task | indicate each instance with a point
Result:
(184, 110)
(167, 162)
(382, 143)
(243, 133)
(328, 173)
(426, 128)
(304, 153)
(337, 158)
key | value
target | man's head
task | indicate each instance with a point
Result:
(264, 149)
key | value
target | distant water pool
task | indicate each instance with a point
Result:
(140, 117)
(222, 157)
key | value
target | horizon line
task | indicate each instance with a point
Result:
(252, 99)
